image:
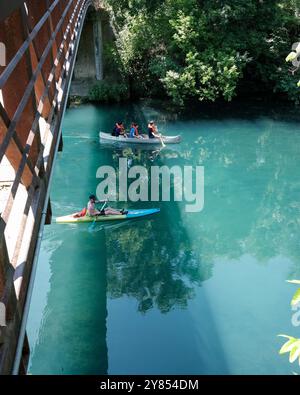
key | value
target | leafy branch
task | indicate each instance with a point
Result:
(294, 58)
(292, 345)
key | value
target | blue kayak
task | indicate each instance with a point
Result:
(72, 219)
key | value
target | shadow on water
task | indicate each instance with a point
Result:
(155, 263)
(72, 338)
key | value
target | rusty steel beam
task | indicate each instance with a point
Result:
(18, 56)
(28, 91)
(5, 214)
(15, 151)
(38, 164)
(42, 39)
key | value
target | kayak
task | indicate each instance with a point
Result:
(132, 214)
(146, 140)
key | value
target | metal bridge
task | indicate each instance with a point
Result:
(39, 43)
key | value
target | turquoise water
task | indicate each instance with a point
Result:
(178, 293)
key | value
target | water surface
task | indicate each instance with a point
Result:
(178, 293)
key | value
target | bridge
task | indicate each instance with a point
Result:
(39, 47)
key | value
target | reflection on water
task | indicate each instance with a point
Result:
(168, 294)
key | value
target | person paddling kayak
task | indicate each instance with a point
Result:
(93, 212)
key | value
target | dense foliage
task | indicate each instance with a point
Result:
(204, 50)
(108, 92)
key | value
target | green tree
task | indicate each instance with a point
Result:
(204, 50)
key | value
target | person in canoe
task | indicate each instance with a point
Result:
(152, 130)
(153, 133)
(134, 131)
(93, 212)
(119, 130)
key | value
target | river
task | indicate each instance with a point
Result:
(176, 293)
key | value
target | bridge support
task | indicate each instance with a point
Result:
(98, 44)
(90, 62)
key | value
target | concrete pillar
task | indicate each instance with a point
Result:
(98, 43)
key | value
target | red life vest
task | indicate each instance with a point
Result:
(81, 214)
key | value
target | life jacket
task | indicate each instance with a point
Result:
(81, 214)
(117, 130)
(151, 131)
(132, 132)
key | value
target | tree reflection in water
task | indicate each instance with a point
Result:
(159, 262)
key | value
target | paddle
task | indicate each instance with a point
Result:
(102, 208)
(159, 136)
(105, 203)
(161, 140)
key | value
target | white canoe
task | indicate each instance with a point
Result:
(146, 140)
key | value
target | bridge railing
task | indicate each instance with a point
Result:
(41, 40)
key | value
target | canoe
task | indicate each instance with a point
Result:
(132, 214)
(166, 139)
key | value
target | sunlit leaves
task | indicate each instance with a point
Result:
(291, 56)
(185, 32)
(206, 76)
(292, 346)
(296, 298)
